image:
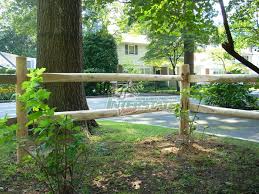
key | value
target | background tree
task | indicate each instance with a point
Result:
(190, 20)
(19, 44)
(100, 56)
(244, 21)
(19, 24)
(165, 47)
(59, 49)
(20, 15)
(229, 45)
(95, 16)
(18, 27)
(220, 56)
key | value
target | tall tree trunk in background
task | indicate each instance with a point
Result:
(188, 41)
(189, 53)
(59, 50)
(173, 63)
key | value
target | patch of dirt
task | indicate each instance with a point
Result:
(167, 166)
(163, 165)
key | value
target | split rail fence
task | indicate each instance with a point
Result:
(184, 78)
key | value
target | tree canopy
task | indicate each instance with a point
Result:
(244, 20)
(170, 49)
(193, 19)
(18, 27)
(19, 44)
(190, 20)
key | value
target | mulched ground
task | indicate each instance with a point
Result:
(160, 165)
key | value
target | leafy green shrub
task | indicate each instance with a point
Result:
(98, 88)
(100, 56)
(229, 95)
(59, 144)
(7, 133)
(58, 148)
(7, 146)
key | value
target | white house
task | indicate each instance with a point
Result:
(251, 54)
(131, 49)
(205, 64)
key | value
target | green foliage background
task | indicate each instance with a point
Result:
(229, 95)
(100, 56)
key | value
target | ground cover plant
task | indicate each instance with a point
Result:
(55, 144)
(7, 91)
(134, 158)
(229, 95)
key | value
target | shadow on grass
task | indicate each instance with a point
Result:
(134, 158)
(128, 158)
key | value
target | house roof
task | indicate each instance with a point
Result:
(135, 38)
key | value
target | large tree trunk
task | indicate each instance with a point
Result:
(59, 50)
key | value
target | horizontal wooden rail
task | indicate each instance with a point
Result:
(103, 77)
(228, 78)
(224, 111)
(7, 79)
(106, 113)
(82, 115)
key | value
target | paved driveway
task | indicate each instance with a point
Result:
(210, 123)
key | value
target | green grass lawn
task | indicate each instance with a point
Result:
(134, 158)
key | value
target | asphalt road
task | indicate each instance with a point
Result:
(220, 125)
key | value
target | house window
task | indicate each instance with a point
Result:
(131, 49)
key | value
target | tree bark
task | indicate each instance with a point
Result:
(59, 50)
(189, 53)
(229, 46)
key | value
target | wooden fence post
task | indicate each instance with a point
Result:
(22, 130)
(184, 99)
